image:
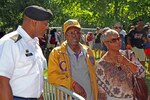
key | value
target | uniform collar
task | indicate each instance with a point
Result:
(25, 35)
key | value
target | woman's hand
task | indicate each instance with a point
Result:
(121, 59)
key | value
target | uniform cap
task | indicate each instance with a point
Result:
(69, 23)
(38, 13)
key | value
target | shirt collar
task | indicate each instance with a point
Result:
(25, 35)
(71, 52)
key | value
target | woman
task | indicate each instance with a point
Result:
(116, 68)
(90, 39)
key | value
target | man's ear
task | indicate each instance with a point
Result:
(34, 22)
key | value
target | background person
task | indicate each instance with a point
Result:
(97, 47)
(135, 41)
(147, 44)
(115, 69)
(57, 37)
(119, 28)
(21, 58)
(104, 48)
(53, 38)
(90, 39)
(72, 64)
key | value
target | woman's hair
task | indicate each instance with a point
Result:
(105, 35)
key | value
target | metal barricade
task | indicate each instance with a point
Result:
(52, 92)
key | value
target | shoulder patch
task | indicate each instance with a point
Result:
(16, 37)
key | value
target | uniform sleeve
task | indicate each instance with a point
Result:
(7, 59)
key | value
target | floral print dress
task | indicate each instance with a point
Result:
(117, 83)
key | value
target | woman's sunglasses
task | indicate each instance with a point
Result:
(114, 40)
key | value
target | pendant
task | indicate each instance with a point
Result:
(119, 68)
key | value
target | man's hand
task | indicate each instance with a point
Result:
(102, 96)
(41, 97)
(79, 89)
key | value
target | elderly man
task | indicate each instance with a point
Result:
(72, 64)
(21, 58)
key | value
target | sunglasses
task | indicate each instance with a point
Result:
(117, 27)
(114, 40)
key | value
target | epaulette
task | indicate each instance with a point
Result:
(16, 37)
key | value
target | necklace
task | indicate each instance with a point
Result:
(118, 66)
(112, 60)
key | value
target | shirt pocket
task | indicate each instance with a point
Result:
(25, 61)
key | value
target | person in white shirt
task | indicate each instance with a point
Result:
(21, 58)
(53, 39)
(119, 28)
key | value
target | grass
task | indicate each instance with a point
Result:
(147, 77)
(148, 83)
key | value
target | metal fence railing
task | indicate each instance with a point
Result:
(52, 92)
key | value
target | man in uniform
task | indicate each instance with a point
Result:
(21, 58)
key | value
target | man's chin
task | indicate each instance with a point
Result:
(40, 36)
(75, 44)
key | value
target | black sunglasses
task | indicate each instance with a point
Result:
(117, 27)
(114, 40)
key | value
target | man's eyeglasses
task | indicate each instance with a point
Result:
(114, 40)
(73, 32)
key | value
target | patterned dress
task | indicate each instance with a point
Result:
(116, 82)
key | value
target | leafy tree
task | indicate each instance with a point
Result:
(89, 13)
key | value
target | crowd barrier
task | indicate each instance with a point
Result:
(52, 92)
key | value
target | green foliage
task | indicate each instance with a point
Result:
(90, 13)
